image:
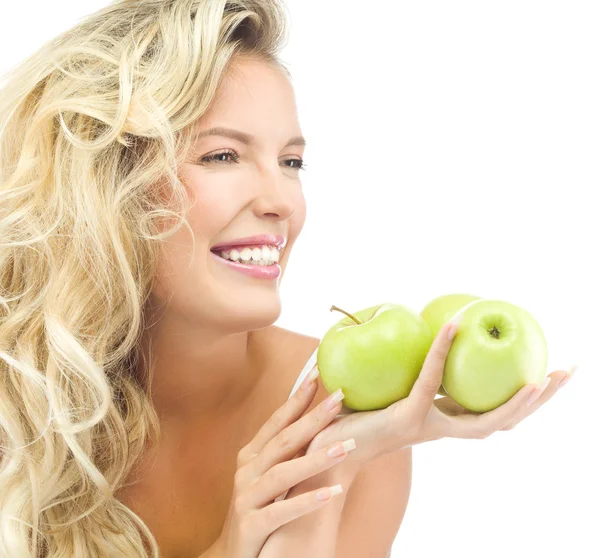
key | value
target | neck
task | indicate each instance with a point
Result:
(198, 374)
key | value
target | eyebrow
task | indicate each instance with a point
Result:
(242, 136)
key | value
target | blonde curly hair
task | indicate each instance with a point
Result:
(93, 128)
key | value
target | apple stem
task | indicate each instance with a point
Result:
(344, 312)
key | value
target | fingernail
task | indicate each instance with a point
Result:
(332, 401)
(568, 376)
(312, 376)
(336, 489)
(341, 448)
(454, 326)
(538, 391)
(327, 493)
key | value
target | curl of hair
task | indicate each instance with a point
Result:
(93, 127)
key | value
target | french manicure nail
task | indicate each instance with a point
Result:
(568, 376)
(538, 391)
(327, 493)
(341, 447)
(332, 401)
(454, 327)
(336, 489)
(312, 376)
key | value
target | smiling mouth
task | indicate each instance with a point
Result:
(250, 255)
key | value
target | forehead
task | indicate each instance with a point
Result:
(255, 92)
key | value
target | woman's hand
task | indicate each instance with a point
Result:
(266, 469)
(421, 418)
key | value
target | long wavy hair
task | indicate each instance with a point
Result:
(93, 127)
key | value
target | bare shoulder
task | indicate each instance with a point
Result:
(290, 351)
(285, 342)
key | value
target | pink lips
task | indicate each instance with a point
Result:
(256, 240)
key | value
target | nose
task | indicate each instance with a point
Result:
(275, 194)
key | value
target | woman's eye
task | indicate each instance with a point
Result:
(221, 157)
(228, 157)
(298, 164)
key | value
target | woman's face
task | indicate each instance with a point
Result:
(242, 189)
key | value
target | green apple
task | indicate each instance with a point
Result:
(498, 349)
(440, 311)
(375, 355)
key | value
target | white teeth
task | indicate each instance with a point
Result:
(256, 254)
(264, 255)
(246, 254)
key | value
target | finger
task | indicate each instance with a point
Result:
(481, 426)
(555, 379)
(301, 453)
(271, 517)
(288, 474)
(287, 414)
(429, 380)
(297, 435)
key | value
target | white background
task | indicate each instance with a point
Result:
(452, 147)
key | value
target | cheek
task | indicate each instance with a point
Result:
(214, 204)
(294, 227)
(209, 215)
(299, 217)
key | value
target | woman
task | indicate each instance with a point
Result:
(145, 404)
